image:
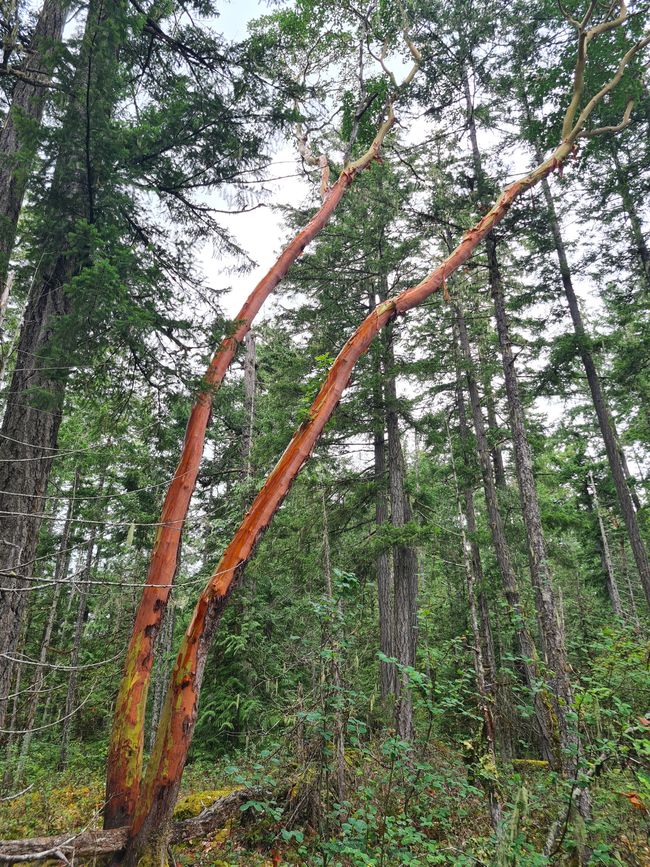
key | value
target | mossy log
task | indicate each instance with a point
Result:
(87, 844)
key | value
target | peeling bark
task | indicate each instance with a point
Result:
(160, 787)
(124, 766)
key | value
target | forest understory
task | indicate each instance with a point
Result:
(325, 439)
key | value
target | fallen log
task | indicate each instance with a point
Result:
(87, 844)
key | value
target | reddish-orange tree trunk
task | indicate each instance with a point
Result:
(124, 765)
(160, 787)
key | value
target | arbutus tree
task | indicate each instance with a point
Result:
(124, 766)
(151, 826)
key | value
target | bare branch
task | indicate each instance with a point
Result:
(601, 130)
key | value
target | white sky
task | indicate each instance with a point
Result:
(260, 233)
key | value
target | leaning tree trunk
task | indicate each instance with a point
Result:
(405, 561)
(151, 823)
(124, 767)
(17, 139)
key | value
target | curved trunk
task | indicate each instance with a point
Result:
(160, 788)
(127, 738)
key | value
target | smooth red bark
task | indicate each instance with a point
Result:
(124, 764)
(160, 787)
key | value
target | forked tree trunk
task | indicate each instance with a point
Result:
(124, 766)
(151, 824)
(17, 139)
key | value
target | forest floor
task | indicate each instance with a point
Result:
(432, 810)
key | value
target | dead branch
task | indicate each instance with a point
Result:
(94, 843)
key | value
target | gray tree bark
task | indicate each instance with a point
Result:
(17, 140)
(546, 730)
(405, 563)
(29, 433)
(473, 576)
(60, 574)
(385, 584)
(612, 584)
(600, 403)
(250, 382)
(640, 246)
(80, 622)
(163, 666)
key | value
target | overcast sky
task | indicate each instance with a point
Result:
(261, 232)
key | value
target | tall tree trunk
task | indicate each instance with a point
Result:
(29, 434)
(467, 516)
(385, 585)
(80, 622)
(250, 382)
(642, 254)
(628, 583)
(600, 404)
(493, 427)
(473, 575)
(547, 729)
(405, 561)
(612, 584)
(60, 574)
(339, 725)
(551, 631)
(17, 150)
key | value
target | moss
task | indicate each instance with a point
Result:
(540, 764)
(191, 805)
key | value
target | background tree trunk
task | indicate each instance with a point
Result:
(27, 105)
